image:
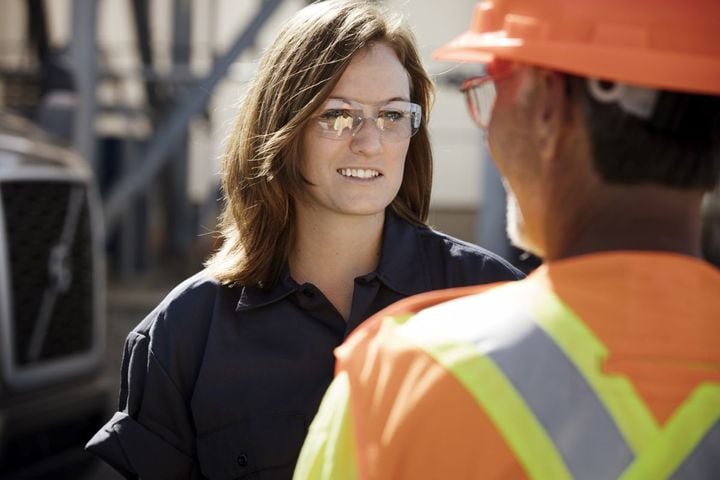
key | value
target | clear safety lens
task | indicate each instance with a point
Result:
(480, 94)
(343, 119)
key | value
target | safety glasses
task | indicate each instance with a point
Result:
(480, 92)
(341, 119)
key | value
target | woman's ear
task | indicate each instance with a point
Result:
(550, 112)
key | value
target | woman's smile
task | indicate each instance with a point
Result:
(364, 174)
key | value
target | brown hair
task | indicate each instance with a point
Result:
(261, 166)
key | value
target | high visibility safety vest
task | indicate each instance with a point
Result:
(571, 421)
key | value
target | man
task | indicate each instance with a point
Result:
(603, 117)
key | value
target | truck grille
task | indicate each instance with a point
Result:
(50, 253)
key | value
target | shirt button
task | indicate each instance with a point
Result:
(242, 460)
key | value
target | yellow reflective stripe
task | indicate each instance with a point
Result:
(398, 319)
(632, 417)
(329, 449)
(535, 451)
(683, 431)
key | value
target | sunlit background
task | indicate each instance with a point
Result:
(114, 116)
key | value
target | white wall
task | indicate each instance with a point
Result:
(12, 29)
(457, 143)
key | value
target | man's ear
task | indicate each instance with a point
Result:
(550, 112)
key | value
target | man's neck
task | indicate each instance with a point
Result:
(646, 217)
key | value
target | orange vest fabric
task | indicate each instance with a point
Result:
(657, 314)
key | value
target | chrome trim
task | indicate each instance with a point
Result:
(35, 150)
(53, 371)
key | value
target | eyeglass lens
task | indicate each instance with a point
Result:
(396, 121)
(481, 100)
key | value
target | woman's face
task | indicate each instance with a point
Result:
(360, 173)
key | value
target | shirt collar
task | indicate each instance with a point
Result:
(402, 267)
(253, 296)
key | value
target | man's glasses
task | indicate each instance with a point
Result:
(480, 92)
(342, 119)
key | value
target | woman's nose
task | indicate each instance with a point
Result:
(368, 139)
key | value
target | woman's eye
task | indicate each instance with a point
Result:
(392, 115)
(335, 113)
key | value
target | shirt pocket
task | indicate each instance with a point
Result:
(264, 447)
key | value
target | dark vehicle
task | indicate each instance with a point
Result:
(52, 324)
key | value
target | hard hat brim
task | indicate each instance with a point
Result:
(464, 49)
(661, 70)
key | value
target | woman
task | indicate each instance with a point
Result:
(327, 184)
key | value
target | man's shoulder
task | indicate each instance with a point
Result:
(393, 330)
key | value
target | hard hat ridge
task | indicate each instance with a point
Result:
(662, 44)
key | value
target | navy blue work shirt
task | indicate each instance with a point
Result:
(222, 382)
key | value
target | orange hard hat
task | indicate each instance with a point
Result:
(663, 44)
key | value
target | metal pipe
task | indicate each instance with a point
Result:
(37, 29)
(84, 61)
(141, 20)
(193, 102)
(179, 216)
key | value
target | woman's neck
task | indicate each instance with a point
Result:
(331, 250)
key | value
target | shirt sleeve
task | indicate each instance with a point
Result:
(329, 450)
(151, 435)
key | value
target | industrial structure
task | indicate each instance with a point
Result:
(143, 92)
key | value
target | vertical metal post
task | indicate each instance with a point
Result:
(84, 64)
(37, 28)
(491, 232)
(141, 21)
(128, 235)
(179, 213)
